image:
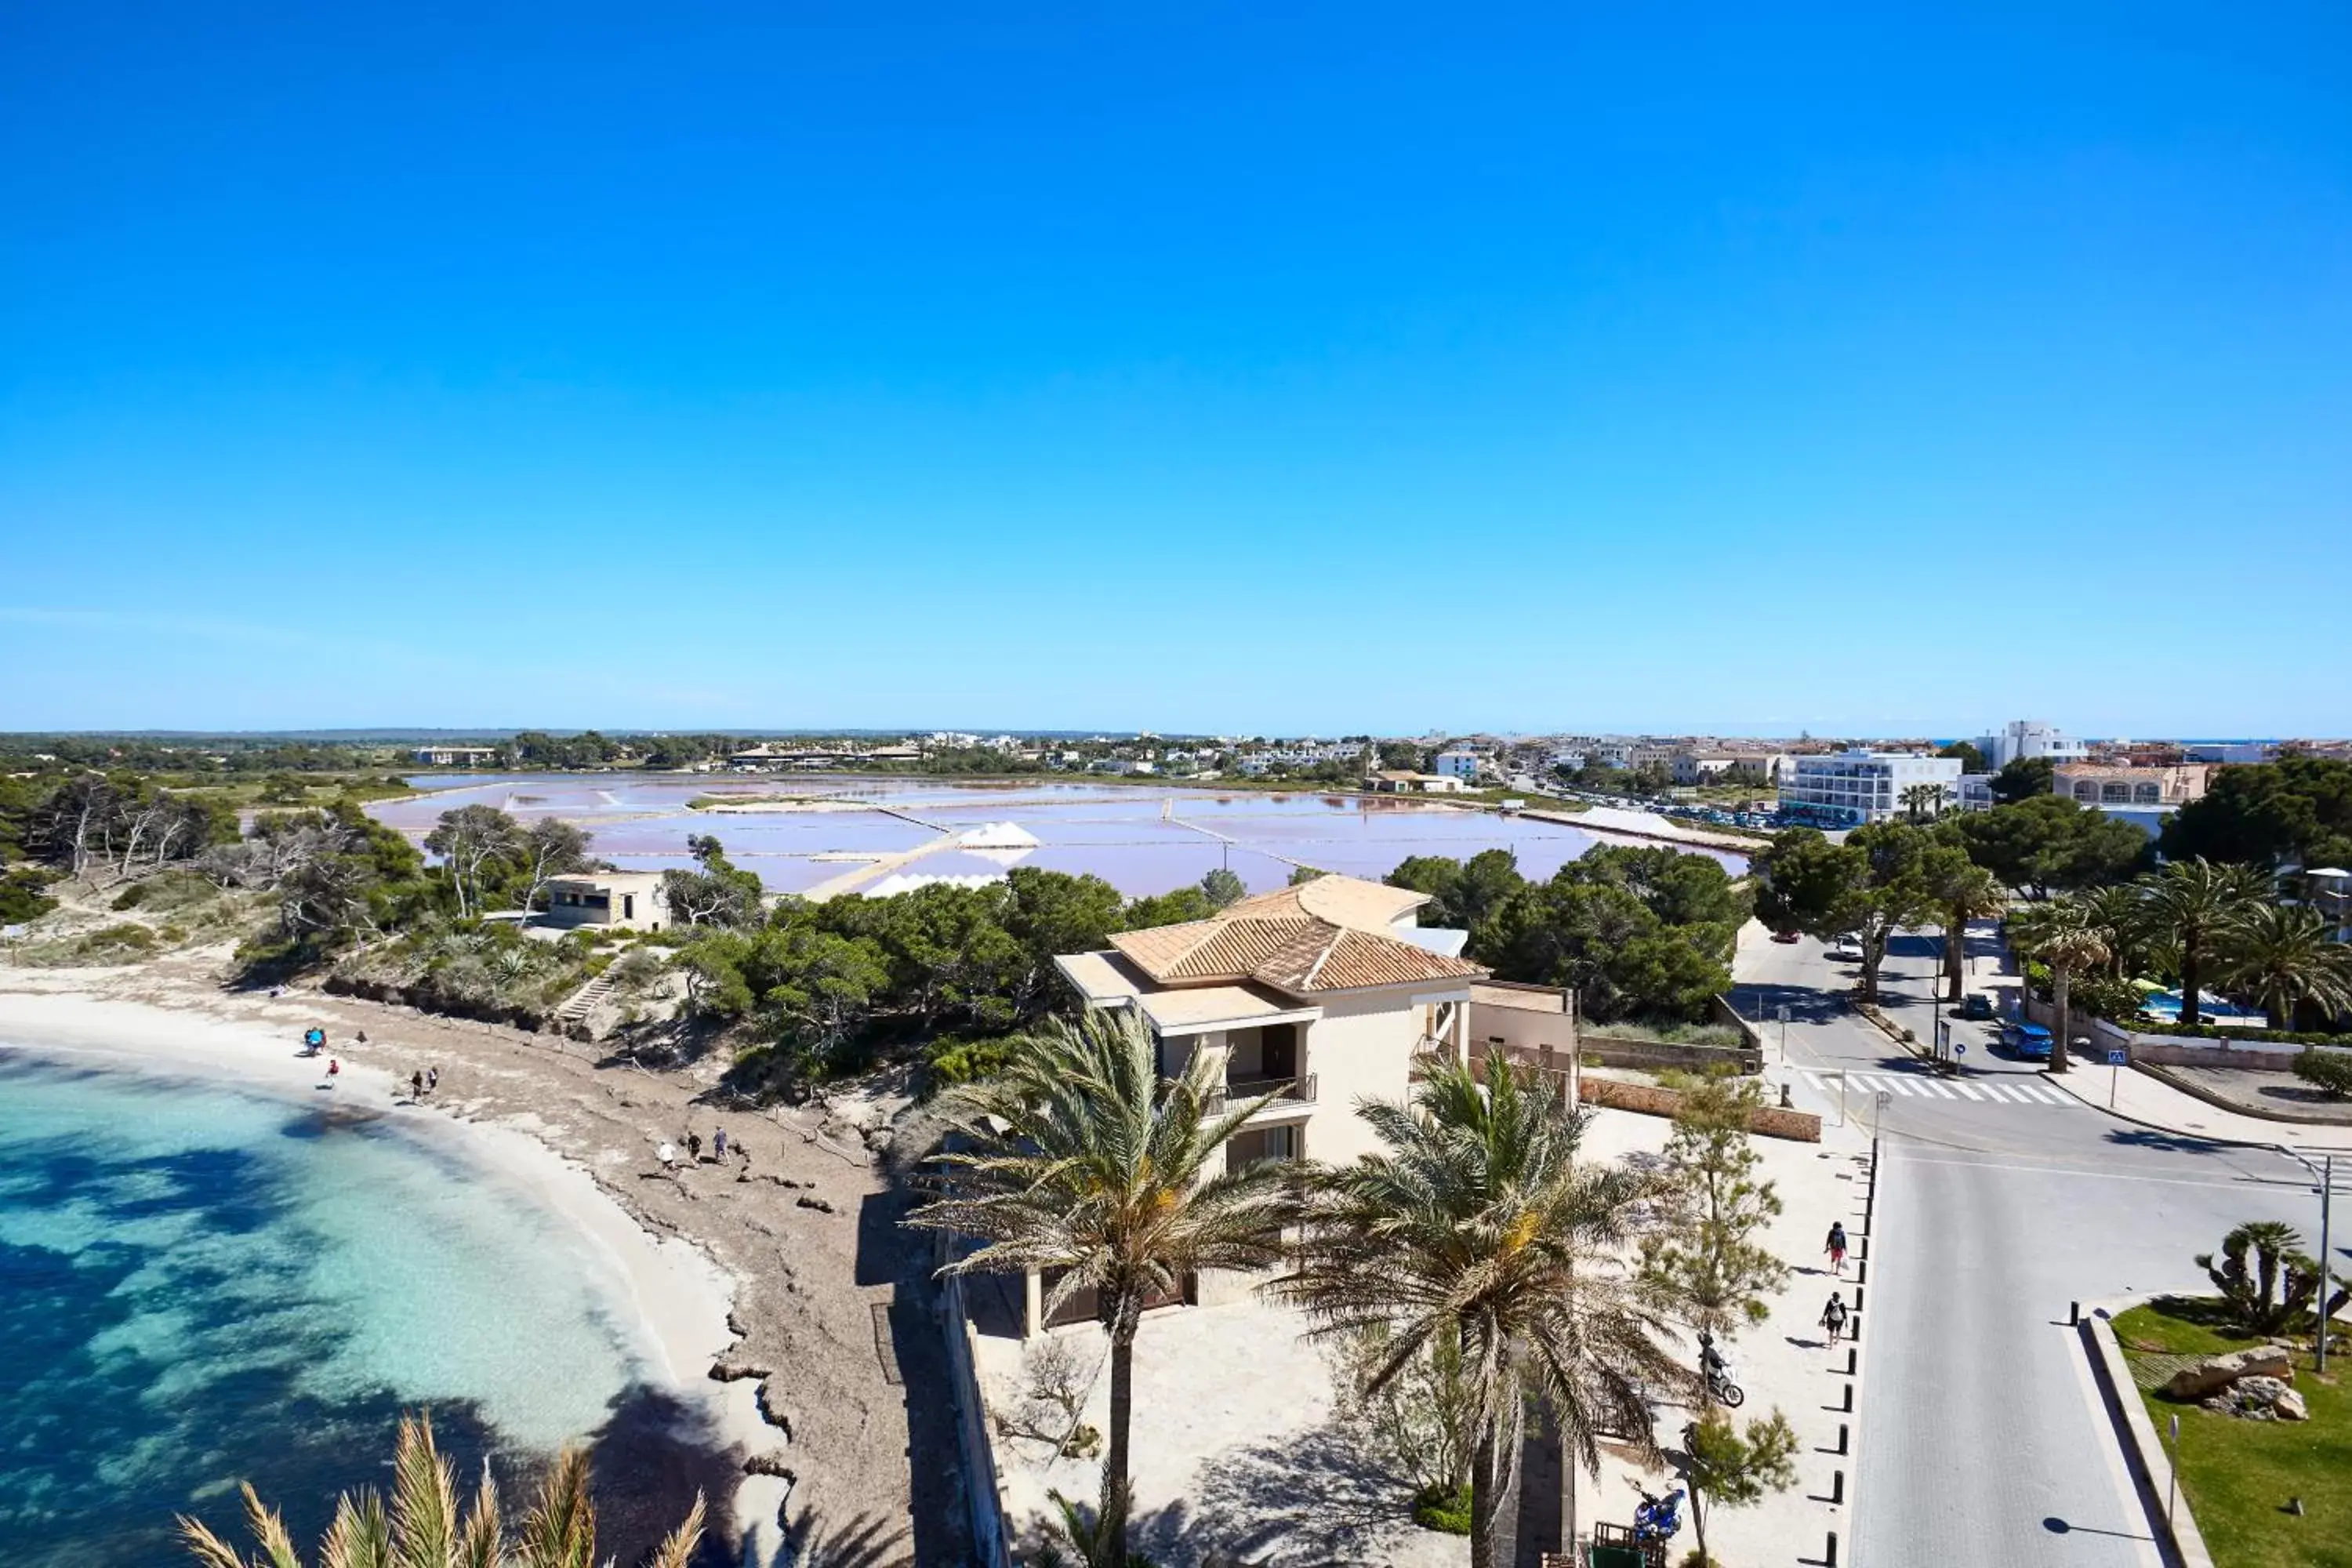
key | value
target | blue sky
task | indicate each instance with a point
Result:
(1194, 368)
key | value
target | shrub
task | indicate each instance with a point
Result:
(954, 1061)
(2329, 1070)
(1442, 1509)
(21, 899)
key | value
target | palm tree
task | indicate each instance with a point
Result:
(2287, 954)
(1477, 1222)
(1963, 892)
(2060, 934)
(1924, 802)
(2120, 915)
(425, 1528)
(2193, 901)
(1079, 1157)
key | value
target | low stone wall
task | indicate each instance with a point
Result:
(2171, 1050)
(1628, 1051)
(1647, 1099)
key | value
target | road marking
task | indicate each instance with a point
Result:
(2005, 1093)
(2086, 1172)
(1899, 1087)
(2039, 1095)
(1943, 1091)
(1973, 1094)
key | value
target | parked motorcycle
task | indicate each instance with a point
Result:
(1658, 1517)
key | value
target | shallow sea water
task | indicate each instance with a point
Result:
(199, 1287)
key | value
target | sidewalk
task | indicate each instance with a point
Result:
(1782, 1362)
(2147, 1102)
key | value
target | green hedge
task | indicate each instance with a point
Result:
(2327, 1069)
(2207, 1032)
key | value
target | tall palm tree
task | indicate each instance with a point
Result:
(1963, 892)
(1477, 1222)
(2060, 934)
(426, 1527)
(2287, 954)
(1080, 1157)
(2192, 901)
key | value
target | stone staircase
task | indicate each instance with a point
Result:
(585, 1001)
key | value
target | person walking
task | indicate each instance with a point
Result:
(1836, 1246)
(415, 1087)
(432, 1080)
(718, 1144)
(1833, 1316)
(668, 1155)
(334, 1070)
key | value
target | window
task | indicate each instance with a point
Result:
(2116, 792)
(1249, 1147)
(2089, 792)
(2148, 794)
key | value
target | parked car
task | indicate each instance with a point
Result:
(1784, 936)
(1976, 1004)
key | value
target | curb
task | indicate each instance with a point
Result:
(2151, 1466)
(2061, 1081)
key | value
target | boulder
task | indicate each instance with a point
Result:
(2290, 1406)
(2217, 1373)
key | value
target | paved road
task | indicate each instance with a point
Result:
(1981, 1440)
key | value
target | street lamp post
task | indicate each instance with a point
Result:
(2325, 1171)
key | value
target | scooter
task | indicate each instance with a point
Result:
(1717, 1371)
(1658, 1517)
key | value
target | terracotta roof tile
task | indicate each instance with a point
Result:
(1295, 944)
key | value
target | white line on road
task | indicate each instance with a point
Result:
(1972, 1093)
(1899, 1087)
(2083, 1171)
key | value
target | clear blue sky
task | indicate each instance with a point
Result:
(1216, 367)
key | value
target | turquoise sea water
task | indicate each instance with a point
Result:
(199, 1286)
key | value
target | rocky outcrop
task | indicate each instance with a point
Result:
(2217, 1373)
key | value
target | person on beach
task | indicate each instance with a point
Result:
(432, 1080)
(718, 1144)
(415, 1087)
(668, 1155)
(334, 1070)
(1833, 1316)
(1836, 1247)
(314, 1040)
(694, 1146)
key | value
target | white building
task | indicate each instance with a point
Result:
(1858, 786)
(2023, 739)
(1462, 765)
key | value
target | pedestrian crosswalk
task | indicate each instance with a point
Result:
(1910, 1086)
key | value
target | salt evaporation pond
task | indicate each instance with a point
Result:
(1141, 839)
(200, 1286)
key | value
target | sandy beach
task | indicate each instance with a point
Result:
(781, 1296)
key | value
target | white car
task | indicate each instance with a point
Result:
(1846, 950)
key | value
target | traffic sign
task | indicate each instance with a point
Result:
(1959, 1050)
(1783, 1010)
(2114, 1058)
(1885, 1099)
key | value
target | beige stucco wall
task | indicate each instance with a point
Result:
(1523, 1029)
(1361, 1049)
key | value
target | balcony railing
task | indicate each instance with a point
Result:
(1286, 1091)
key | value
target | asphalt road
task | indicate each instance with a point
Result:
(1981, 1439)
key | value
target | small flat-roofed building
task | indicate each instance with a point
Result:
(455, 756)
(625, 900)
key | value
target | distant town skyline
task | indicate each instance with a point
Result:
(1327, 369)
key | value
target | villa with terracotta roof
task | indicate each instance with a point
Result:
(1318, 995)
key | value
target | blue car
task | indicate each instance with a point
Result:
(2029, 1042)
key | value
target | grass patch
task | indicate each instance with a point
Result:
(2237, 1475)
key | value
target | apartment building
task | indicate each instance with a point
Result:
(2022, 740)
(1848, 788)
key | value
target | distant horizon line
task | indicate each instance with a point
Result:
(397, 734)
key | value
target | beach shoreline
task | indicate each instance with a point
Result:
(711, 1279)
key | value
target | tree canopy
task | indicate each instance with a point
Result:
(2049, 844)
(2297, 809)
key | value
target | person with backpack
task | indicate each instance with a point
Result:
(1836, 1247)
(1833, 1316)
